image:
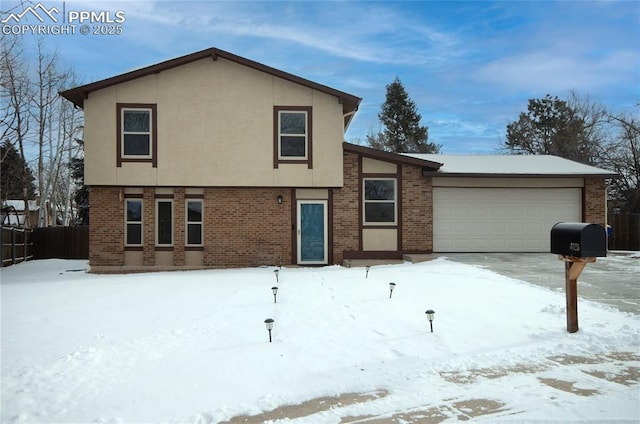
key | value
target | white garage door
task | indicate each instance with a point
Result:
(500, 219)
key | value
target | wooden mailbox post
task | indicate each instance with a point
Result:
(573, 267)
(577, 244)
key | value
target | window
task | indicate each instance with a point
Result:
(292, 129)
(293, 134)
(164, 222)
(136, 133)
(380, 201)
(133, 222)
(194, 222)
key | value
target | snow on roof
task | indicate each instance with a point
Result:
(525, 165)
(19, 204)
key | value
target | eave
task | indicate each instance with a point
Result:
(426, 173)
(78, 95)
(427, 165)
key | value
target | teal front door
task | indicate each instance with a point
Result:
(312, 232)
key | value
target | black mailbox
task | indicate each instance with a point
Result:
(578, 239)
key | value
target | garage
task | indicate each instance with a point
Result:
(471, 203)
(499, 219)
(508, 203)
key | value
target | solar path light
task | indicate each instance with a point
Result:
(269, 323)
(276, 272)
(274, 289)
(391, 287)
(430, 313)
(367, 268)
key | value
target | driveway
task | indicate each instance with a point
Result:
(614, 280)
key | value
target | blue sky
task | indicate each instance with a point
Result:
(470, 67)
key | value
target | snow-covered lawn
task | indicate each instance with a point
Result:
(192, 347)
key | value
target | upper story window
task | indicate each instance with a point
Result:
(136, 132)
(137, 128)
(380, 199)
(292, 131)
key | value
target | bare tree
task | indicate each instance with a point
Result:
(623, 155)
(57, 125)
(582, 130)
(594, 122)
(16, 93)
(70, 128)
(34, 115)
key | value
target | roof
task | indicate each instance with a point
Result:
(77, 95)
(18, 205)
(512, 165)
(392, 157)
(13, 213)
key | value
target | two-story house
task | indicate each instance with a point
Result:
(214, 160)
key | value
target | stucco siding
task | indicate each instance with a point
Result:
(215, 124)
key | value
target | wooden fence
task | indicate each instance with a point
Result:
(625, 231)
(20, 244)
(17, 245)
(61, 242)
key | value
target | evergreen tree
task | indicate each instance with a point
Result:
(402, 130)
(13, 168)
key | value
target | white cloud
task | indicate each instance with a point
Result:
(366, 32)
(549, 71)
(470, 66)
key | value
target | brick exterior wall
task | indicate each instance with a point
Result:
(417, 211)
(178, 226)
(106, 230)
(247, 227)
(594, 201)
(346, 207)
(242, 227)
(149, 227)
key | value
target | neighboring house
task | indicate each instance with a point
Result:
(14, 213)
(213, 160)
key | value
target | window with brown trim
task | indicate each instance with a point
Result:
(137, 133)
(292, 135)
(133, 222)
(380, 201)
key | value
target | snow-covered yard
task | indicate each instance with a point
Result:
(192, 347)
